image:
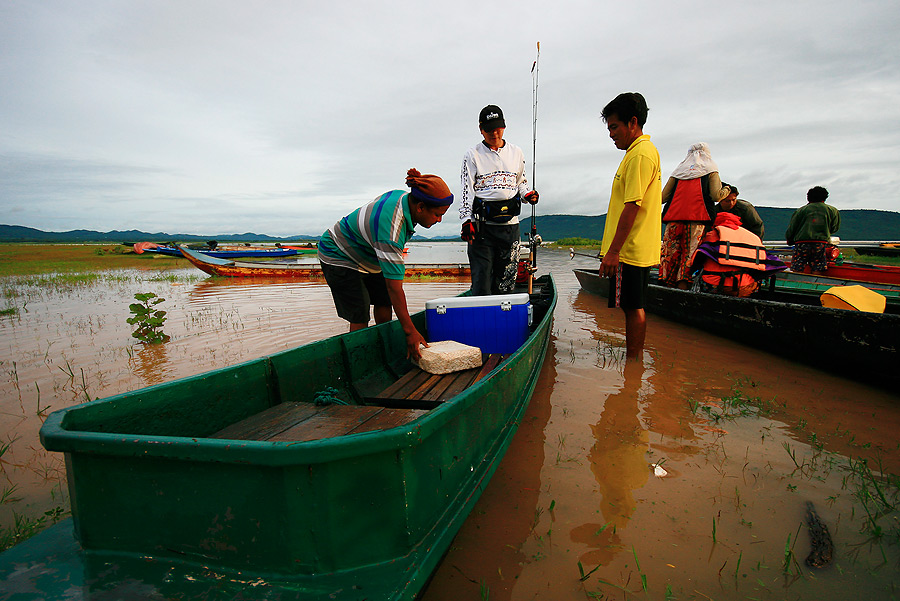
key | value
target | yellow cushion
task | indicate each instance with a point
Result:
(853, 298)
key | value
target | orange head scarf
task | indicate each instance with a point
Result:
(429, 189)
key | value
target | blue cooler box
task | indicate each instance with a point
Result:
(495, 324)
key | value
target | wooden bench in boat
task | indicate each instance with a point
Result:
(400, 403)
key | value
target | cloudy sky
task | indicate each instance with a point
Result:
(279, 117)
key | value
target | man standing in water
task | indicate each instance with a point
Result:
(493, 188)
(631, 238)
(362, 254)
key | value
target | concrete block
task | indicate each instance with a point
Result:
(449, 356)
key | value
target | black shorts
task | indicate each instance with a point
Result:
(628, 289)
(354, 291)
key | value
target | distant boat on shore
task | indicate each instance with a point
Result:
(223, 252)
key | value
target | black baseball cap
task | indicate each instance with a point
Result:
(490, 118)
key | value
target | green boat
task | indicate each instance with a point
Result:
(336, 470)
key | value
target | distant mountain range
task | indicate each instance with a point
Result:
(856, 225)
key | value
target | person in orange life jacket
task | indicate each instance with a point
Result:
(730, 203)
(732, 259)
(810, 231)
(630, 245)
(689, 197)
(493, 185)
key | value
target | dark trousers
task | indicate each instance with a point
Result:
(494, 258)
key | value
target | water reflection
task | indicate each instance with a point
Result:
(619, 463)
(151, 363)
(497, 535)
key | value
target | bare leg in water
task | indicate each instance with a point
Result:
(635, 332)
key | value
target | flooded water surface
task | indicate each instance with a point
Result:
(687, 477)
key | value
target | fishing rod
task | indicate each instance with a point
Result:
(533, 238)
(572, 254)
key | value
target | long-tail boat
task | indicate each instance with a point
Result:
(303, 269)
(857, 344)
(222, 252)
(864, 272)
(336, 470)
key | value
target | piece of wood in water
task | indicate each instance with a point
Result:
(820, 539)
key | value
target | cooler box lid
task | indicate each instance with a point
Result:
(495, 300)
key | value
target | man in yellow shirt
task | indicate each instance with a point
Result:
(631, 238)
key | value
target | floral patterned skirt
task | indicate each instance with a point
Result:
(680, 241)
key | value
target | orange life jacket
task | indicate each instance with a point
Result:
(737, 248)
(739, 252)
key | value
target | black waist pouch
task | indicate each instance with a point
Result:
(497, 211)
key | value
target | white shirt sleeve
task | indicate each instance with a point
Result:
(467, 187)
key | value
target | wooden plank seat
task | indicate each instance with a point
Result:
(421, 389)
(400, 403)
(297, 422)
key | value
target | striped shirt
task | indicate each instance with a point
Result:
(371, 238)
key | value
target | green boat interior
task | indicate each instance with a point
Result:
(408, 398)
(366, 368)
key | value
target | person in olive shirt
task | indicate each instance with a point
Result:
(810, 231)
(750, 219)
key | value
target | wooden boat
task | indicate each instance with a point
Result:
(884, 249)
(302, 270)
(865, 346)
(236, 484)
(864, 272)
(219, 252)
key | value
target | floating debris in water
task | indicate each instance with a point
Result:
(820, 539)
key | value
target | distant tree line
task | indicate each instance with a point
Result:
(856, 225)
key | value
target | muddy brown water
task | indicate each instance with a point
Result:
(577, 489)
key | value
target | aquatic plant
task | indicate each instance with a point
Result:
(147, 320)
(25, 527)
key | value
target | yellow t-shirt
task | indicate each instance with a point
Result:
(637, 180)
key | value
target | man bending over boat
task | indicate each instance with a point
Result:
(362, 254)
(747, 213)
(634, 219)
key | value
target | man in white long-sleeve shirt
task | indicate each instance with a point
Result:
(493, 189)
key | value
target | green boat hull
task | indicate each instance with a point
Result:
(160, 506)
